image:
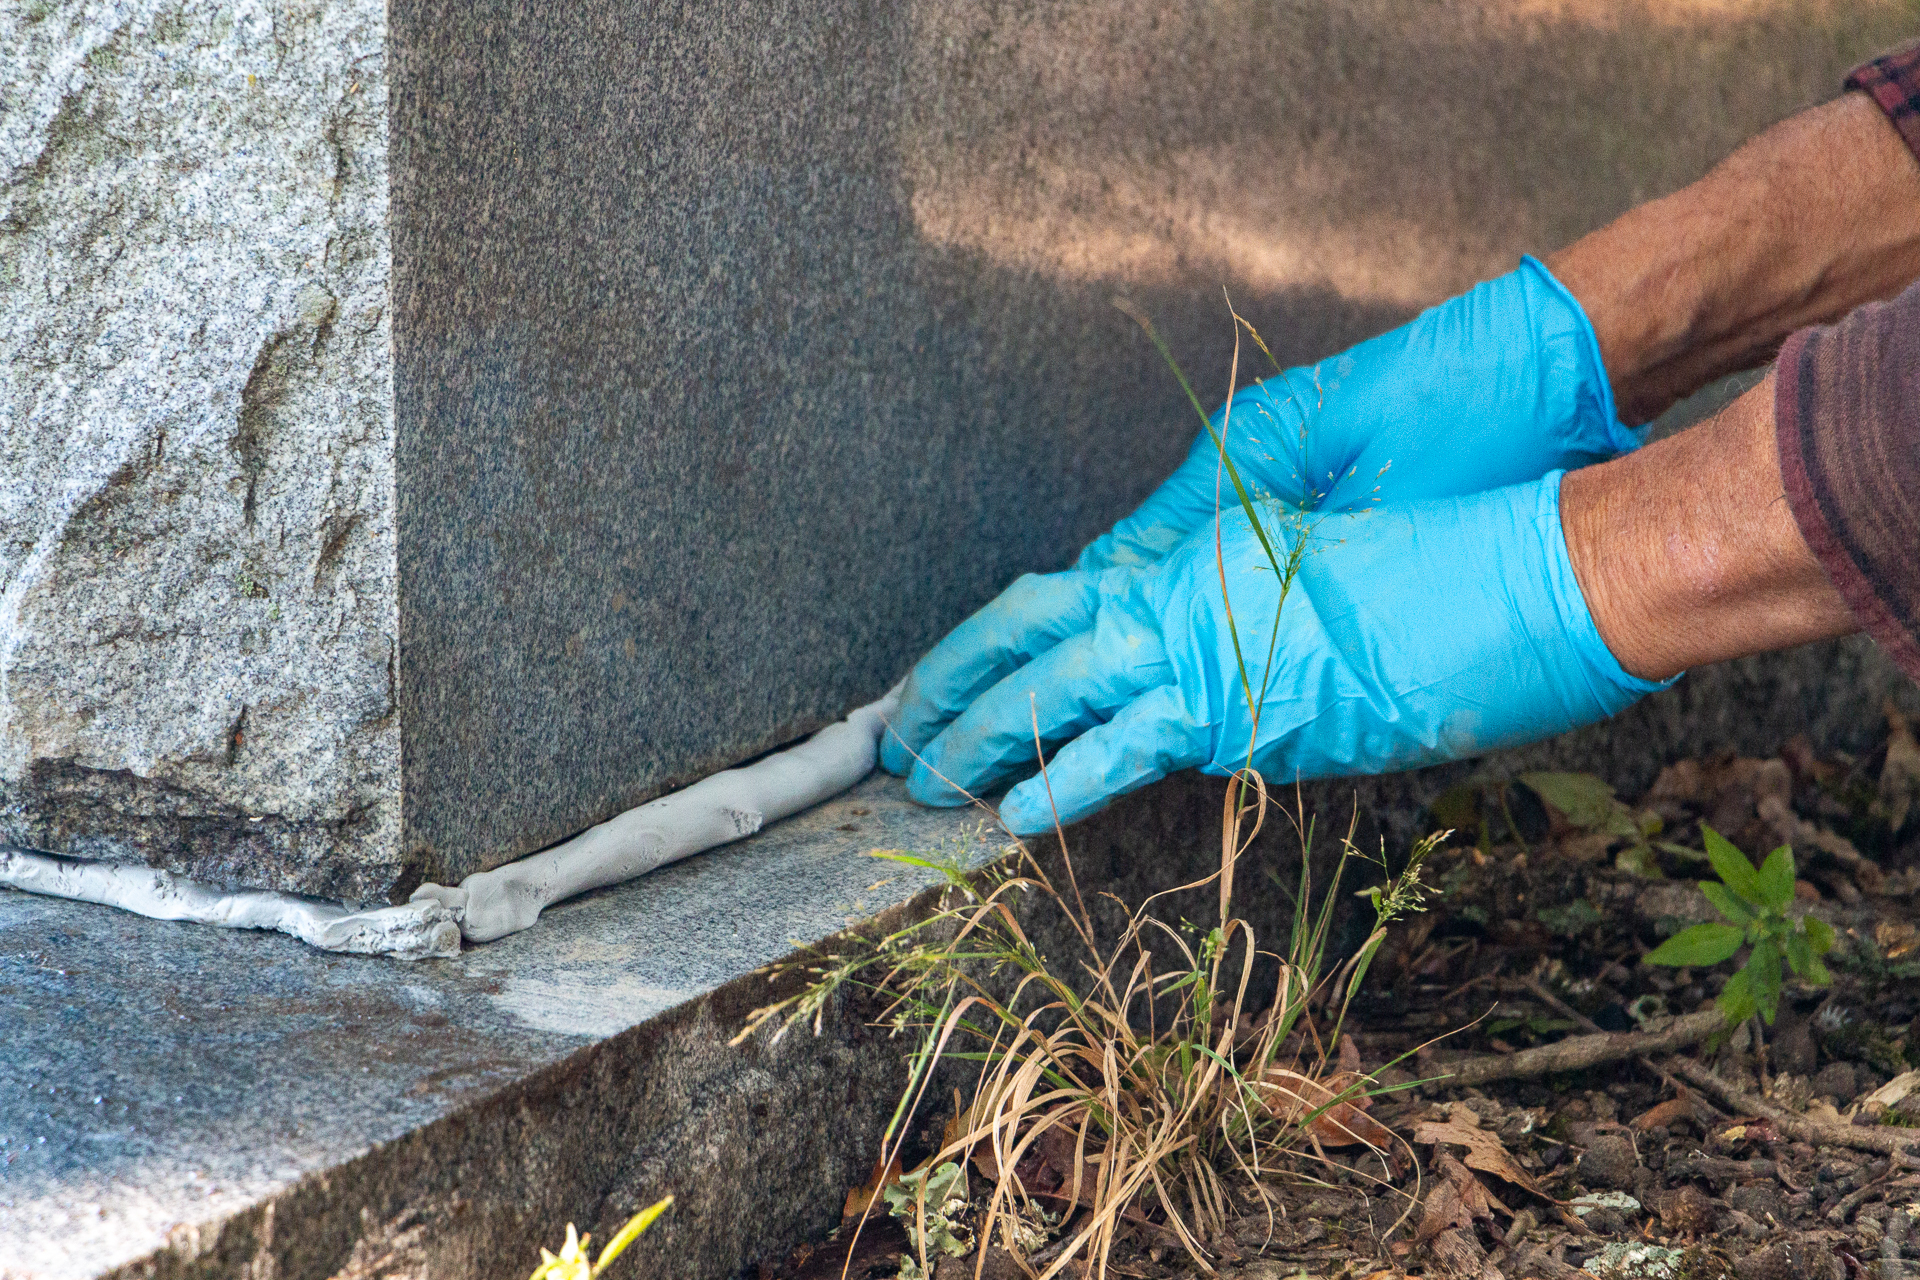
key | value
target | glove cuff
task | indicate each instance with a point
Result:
(1610, 686)
(1623, 438)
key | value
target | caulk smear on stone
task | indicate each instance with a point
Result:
(714, 811)
(416, 931)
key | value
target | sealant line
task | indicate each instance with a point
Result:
(717, 810)
(713, 811)
(407, 931)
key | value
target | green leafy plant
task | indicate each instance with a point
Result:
(1589, 803)
(1753, 906)
(571, 1263)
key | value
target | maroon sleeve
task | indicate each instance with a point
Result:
(1847, 419)
(1893, 81)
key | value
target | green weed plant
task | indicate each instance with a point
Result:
(573, 1262)
(1753, 907)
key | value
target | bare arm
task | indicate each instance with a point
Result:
(1687, 552)
(1805, 222)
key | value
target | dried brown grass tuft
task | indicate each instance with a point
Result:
(1131, 1089)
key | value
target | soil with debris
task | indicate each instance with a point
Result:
(1612, 1129)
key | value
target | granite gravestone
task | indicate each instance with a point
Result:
(429, 429)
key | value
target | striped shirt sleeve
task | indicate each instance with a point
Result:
(1847, 422)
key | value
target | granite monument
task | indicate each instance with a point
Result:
(427, 430)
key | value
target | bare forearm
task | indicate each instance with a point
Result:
(1687, 552)
(1802, 224)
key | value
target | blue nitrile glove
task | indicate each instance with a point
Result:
(1493, 387)
(1413, 634)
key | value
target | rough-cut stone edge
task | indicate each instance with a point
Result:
(734, 1133)
(197, 568)
(666, 1106)
(115, 815)
(669, 1103)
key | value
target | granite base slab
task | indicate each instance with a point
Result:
(179, 1102)
(174, 1098)
(187, 1103)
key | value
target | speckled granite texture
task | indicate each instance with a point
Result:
(197, 572)
(183, 1103)
(736, 355)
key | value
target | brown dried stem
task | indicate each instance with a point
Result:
(1577, 1053)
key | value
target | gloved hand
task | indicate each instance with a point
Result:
(1412, 634)
(1493, 387)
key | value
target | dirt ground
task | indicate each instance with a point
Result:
(1775, 1152)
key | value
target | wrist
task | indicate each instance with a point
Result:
(1640, 282)
(1799, 226)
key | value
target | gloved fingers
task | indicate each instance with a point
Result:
(1149, 738)
(1073, 686)
(1025, 620)
(1142, 539)
(1156, 527)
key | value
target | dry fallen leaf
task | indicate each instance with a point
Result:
(1291, 1096)
(863, 1195)
(1474, 1193)
(1059, 1147)
(1459, 1254)
(1773, 804)
(1665, 1115)
(1458, 1200)
(1444, 1209)
(1045, 1167)
(1348, 1057)
(1682, 780)
(1484, 1148)
(958, 1127)
(1895, 938)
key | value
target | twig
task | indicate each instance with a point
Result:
(1577, 1053)
(1786, 1179)
(1565, 1010)
(1541, 992)
(1888, 1141)
(1840, 1213)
